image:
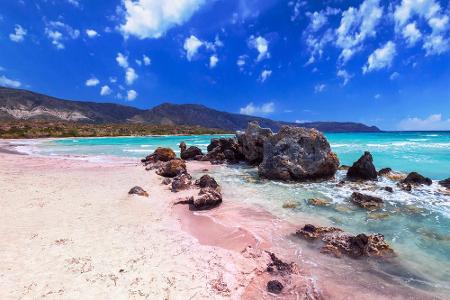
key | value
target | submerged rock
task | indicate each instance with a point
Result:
(366, 201)
(252, 142)
(207, 181)
(159, 155)
(318, 202)
(290, 204)
(445, 183)
(172, 168)
(312, 232)
(363, 168)
(192, 152)
(415, 178)
(389, 173)
(137, 190)
(181, 182)
(274, 287)
(298, 154)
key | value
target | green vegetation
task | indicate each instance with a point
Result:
(45, 129)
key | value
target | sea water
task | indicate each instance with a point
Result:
(416, 223)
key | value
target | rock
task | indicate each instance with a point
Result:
(172, 168)
(279, 267)
(181, 182)
(207, 181)
(312, 232)
(207, 199)
(363, 168)
(160, 154)
(166, 181)
(405, 186)
(388, 173)
(189, 153)
(384, 171)
(366, 201)
(343, 167)
(445, 183)
(377, 216)
(415, 178)
(137, 190)
(274, 287)
(290, 205)
(388, 189)
(298, 154)
(224, 150)
(252, 142)
(318, 202)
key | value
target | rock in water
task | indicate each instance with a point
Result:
(137, 190)
(415, 178)
(252, 142)
(189, 153)
(160, 155)
(207, 181)
(172, 168)
(445, 183)
(363, 168)
(298, 154)
(366, 201)
(207, 199)
(224, 149)
(181, 182)
(274, 287)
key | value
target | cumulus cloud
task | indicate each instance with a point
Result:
(8, 82)
(394, 76)
(93, 81)
(317, 20)
(345, 76)
(122, 60)
(411, 33)
(18, 35)
(191, 46)
(58, 32)
(319, 88)
(264, 109)
(130, 76)
(432, 122)
(265, 74)
(213, 60)
(105, 90)
(131, 95)
(75, 3)
(261, 45)
(91, 33)
(153, 18)
(380, 58)
(147, 61)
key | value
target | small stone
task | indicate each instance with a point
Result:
(137, 190)
(366, 201)
(166, 181)
(274, 287)
(290, 204)
(388, 189)
(318, 202)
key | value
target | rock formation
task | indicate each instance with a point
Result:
(224, 150)
(445, 183)
(207, 181)
(298, 154)
(172, 168)
(363, 168)
(252, 142)
(415, 178)
(189, 153)
(366, 201)
(181, 182)
(160, 154)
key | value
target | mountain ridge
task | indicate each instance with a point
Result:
(17, 104)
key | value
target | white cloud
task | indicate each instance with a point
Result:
(394, 76)
(319, 88)
(58, 32)
(213, 60)
(92, 81)
(432, 122)
(377, 96)
(191, 45)
(131, 95)
(130, 76)
(317, 20)
(380, 58)
(75, 3)
(18, 35)
(105, 90)
(122, 60)
(345, 76)
(147, 61)
(411, 33)
(241, 61)
(265, 74)
(113, 79)
(153, 18)
(435, 44)
(5, 81)
(261, 45)
(91, 33)
(409, 8)
(252, 109)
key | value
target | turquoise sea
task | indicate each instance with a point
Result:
(416, 223)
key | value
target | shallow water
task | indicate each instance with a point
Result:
(416, 224)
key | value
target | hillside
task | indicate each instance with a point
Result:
(25, 105)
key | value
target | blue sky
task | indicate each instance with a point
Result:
(383, 63)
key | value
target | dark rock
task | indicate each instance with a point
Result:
(224, 150)
(344, 167)
(213, 144)
(415, 178)
(166, 181)
(384, 171)
(363, 168)
(252, 142)
(312, 232)
(445, 183)
(137, 190)
(274, 287)
(207, 199)
(160, 154)
(172, 168)
(366, 201)
(405, 186)
(388, 189)
(207, 181)
(298, 154)
(279, 267)
(189, 153)
(181, 182)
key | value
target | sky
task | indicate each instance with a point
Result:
(383, 63)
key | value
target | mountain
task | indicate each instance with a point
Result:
(26, 105)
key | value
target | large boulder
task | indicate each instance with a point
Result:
(189, 153)
(252, 142)
(172, 168)
(415, 178)
(181, 182)
(160, 155)
(224, 150)
(298, 154)
(207, 181)
(366, 201)
(363, 168)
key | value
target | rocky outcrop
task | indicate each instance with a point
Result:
(224, 150)
(207, 181)
(415, 178)
(181, 182)
(252, 142)
(298, 154)
(189, 153)
(172, 168)
(137, 190)
(445, 183)
(159, 155)
(207, 199)
(366, 201)
(274, 287)
(363, 168)
(337, 242)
